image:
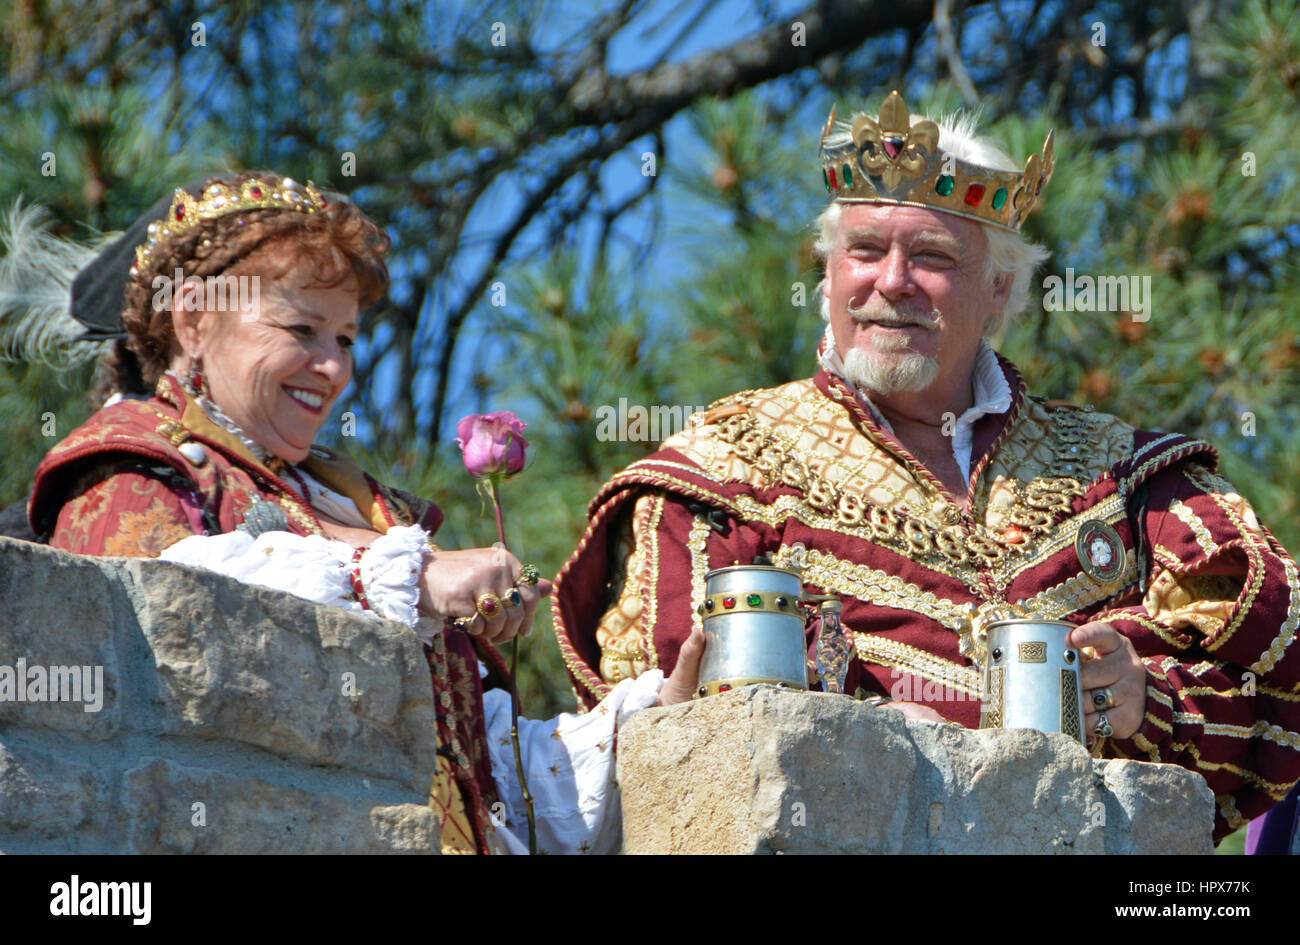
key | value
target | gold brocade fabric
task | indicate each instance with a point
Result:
(448, 803)
(852, 483)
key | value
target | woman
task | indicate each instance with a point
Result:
(236, 303)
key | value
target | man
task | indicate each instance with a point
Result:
(914, 476)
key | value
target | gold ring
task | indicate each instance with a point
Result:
(528, 574)
(488, 606)
(1102, 699)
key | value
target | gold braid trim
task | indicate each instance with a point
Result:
(1078, 592)
(1033, 509)
(1228, 808)
(1183, 512)
(1163, 459)
(1062, 535)
(1277, 791)
(873, 586)
(1256, 565)
(697, 541)
(885, 652)
(1158, 629)
(1261, 729)
(652, 580)
(1287, 633)
(1281, 695)
(1146, 744)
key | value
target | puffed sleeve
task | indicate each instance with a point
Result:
(569, 763)
(318, 569)
(1216, 630)
(126, 509)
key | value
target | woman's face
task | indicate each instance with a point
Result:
(277, 367)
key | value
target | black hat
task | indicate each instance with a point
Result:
(99, 289)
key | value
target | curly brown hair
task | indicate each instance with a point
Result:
(339, 243)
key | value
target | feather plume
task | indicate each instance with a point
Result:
(36, 276)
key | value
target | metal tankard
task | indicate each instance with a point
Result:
(1030, 676)
(753, 629)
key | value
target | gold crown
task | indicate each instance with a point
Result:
(890, 160)
(218, 200)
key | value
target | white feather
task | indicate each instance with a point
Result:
(36, 290)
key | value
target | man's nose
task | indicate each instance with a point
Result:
(893, 275)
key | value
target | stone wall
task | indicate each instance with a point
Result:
(236, 719)
(767, 770)
(232, 719)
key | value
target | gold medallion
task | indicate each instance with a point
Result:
(1100, 550)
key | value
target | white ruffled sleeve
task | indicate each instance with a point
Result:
(318, 569)
(569, 761)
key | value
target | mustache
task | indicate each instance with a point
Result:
(886, 313)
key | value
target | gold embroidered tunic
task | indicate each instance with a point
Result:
(804, 475)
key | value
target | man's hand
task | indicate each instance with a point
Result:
(914, 710)
(1117, 667)
(681, 685)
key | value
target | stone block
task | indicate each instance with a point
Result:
(45, 797)
(58, 663)
(768, 770)
(307, 682)
(176, 808)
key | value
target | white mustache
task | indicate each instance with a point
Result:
(883, 313)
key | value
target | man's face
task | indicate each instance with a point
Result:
(907, 295)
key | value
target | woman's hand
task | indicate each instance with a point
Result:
(454, 581)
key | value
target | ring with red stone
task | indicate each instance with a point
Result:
(488, 606)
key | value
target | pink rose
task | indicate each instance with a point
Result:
(492, 444)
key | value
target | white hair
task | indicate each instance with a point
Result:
(1010, 256)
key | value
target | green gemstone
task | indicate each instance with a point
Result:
(1000, 198)
(848, 176)
(754, 600)
(826, 180)
(944, 185)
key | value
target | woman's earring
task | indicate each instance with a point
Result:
(195, 383)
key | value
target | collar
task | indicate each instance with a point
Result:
(328, 468)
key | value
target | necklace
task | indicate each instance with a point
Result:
(218, 416)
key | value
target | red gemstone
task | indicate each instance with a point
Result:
(180, 213)
(256, 192)
(834, 183)
(728, 602)
(893, 146)
(974, 194)
(723, 687)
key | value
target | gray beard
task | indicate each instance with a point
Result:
(902, 369)
(908, 372)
